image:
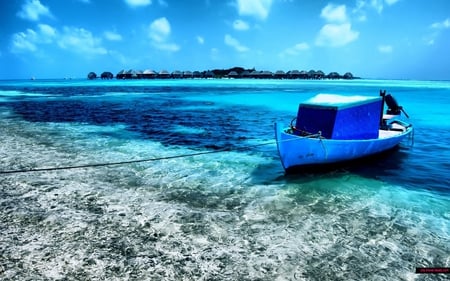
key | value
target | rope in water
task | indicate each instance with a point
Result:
(93, 165)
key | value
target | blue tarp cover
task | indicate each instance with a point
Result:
(341, 117)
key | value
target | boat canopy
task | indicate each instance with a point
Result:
(340, 117)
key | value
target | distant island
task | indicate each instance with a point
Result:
(235, 72)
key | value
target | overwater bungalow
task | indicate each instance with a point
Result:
(177, 74)
(131, 74)
(209, 74)
(293, 74)
(348, 75)
(164, 74)
(188, 74)
(266, 74)
(149, 74)
(279, 74)
(107, 75)
(312, 74)
(246, 74)
(92, 75)
(121, 74)
(320, 74)
(333, 75)
(303, 74)
(197, 74)
(233, 74)
(255, 74)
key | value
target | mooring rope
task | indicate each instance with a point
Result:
(93, 165)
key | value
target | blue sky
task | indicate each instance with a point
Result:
(394, 39)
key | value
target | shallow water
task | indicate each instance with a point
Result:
(230, 215)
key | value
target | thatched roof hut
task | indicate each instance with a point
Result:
(188, 74)
(266, 74)
(177, 74)
(245, 74)
(91, 75)
(312, 74)
(348, 75)
(197, 74)
(121, 74)
(333, 75)
(131, 74)
(320, 74)
(233, 74)
(293, 74)
(280, 74)
(255, 74)
(209, 74)
(149, 74)
(107, 75)
(303, 74)
(164, 74)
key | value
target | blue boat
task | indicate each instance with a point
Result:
(331, 129)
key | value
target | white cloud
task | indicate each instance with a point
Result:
(33, 10)
(73, 39)
(240, 25)
(23, 42)
(387, 49)
(391, 2)
(159, 30)
(28, 41)
(360, 10)
(112, 36)
(80, 40)
(47, 33)
(159, 33)
(295, 50)
(138, 3)
(338, 30)
(256, 8)
(336, 35)
(232, 42)
(441, 25)
(378, 5)
(362, 6)
(334, 13)
(200, 40)
(436, 29)
(163, 3)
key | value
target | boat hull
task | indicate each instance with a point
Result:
(297, 151)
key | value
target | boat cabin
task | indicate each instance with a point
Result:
(340, 117)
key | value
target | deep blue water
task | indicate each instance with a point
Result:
(230, 215)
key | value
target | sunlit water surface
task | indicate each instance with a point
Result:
(230, 215)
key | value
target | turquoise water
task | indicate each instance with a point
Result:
(230, 215)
